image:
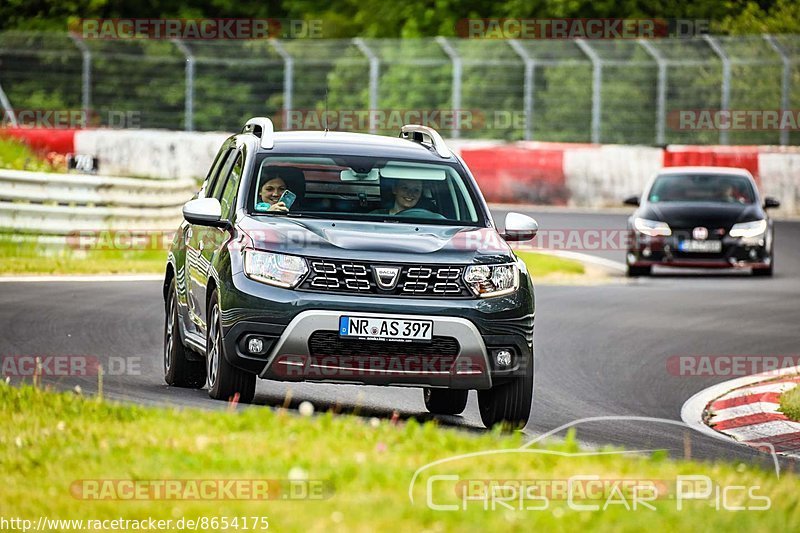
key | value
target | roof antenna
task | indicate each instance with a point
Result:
(325, 118)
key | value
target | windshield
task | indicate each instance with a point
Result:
(718, 188)
(363, 188)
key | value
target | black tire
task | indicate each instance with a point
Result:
(635, 272)
(445, 401)
(763, 272)
(179, 370)
(224, 379)
(509, 403)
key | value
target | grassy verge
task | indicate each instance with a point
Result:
(23, 255)
(790, 403)
(64, 456)
(544, 265)
(16, 155)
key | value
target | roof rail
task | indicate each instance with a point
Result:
(424, 134)
(262, 128)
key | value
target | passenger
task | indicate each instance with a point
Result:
(406, 196)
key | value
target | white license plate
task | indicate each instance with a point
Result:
(385, 328)
(700, 246)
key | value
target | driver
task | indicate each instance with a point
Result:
(406, 196)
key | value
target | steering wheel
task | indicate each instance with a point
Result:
(421, 213)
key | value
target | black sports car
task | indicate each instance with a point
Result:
(701, 217)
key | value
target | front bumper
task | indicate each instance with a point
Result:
(286, 322)
(737, 253)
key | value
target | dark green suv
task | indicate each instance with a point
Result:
(349, 258)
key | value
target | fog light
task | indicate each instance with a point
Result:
(647, 252)
(503, 358)
(255, 345)
(753, 254)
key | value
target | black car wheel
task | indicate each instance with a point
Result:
(445, 401)
(635, 272)
(508, 403)
(179, 370)
(224, 379)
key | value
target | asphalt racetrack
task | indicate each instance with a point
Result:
(603, 350)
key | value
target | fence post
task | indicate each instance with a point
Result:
(288, 81)
(374, 73)
(529, 81)
(9, 111)
(724, 134)
(189, 99)
(661, 90)
(786, 78)
(456, 90)
(597, 87)
(86, 75)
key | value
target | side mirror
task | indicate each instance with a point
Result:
(771, 203)
(204, 212)
(520, 227)
(632, 200)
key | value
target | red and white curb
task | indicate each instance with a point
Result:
(746, 410)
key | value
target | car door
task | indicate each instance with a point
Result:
(210, 240)
(195, 267)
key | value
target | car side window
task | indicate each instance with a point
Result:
(218, 180)
(228, 198)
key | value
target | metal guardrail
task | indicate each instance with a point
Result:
(58, 204)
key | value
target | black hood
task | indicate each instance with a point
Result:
(688, 215)
(358, 240)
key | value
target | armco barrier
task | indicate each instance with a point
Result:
(61, 203)
(522, 172)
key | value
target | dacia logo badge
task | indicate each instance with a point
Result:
(700, 233)
(386, 277)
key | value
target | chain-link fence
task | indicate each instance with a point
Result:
(705, 90)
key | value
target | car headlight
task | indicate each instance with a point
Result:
(492, 280)
(653, 228)
(274, 269)
(748, 230)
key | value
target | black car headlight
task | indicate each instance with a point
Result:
(280, 270)
(749, 230)
(492, 280)
(652, 228)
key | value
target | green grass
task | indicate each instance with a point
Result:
(16, 155)
(790, 403)
(24, 254)
(49, 442)
(21, 254)
(541, 265)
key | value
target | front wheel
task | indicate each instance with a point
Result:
(445, 401)
(179, 370)
(635, 272)
(509, 403)
(225, 381)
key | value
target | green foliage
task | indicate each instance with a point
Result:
(790, 403)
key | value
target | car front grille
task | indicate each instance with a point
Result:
(327, 349)
(348, 277)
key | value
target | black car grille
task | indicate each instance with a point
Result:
(348, 277)
(327, 348)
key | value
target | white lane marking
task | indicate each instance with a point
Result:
(762, 389)
(693, 409)
(755, 432)
(82, 278)
(743, 410)
(584, 258)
